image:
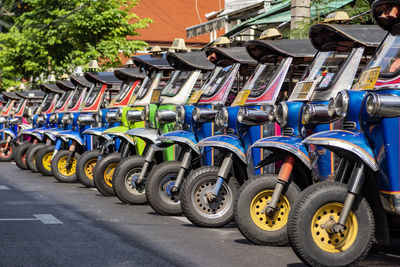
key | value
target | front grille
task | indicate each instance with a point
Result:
(349, 125)
(288, 131)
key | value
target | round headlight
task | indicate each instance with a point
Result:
(14, 121)
(165, 116)
(52, 118)
(57, 117)
(331, 107)
(307, 114)
(196, 114)
(67, 119)
(342, 104)
(114, 115)
(371, 104)
(40, 120)
(242, 114)
(134, 115)
(222, 118)
(281, 114)
(180, 114)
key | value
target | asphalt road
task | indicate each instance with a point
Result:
(47, 223)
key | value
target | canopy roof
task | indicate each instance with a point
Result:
(126, 74)
(80, 80)
(65, 85)
(189, 61)
(32, 94)
(148, 62)
(331, 37)
(229, 55)
(10, 95)
(50, 88)
(261, 50)
(102, 77)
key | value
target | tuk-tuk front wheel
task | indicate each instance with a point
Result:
(194, 203)
(317, 208)
(124, 180)
(85, 167)
(103, 173)
(20, 155)
(40, 157)
(158, 188)
(250, 210)
(60, 170)
(6, 154)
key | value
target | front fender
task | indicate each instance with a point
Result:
(232, 143)
(147, 134)
(290, 144)
(97, 131)
(31, 132)
(8, 132)
(120, 131)
(51, 133)
(342, 142)
(181, 136)
(70, 134)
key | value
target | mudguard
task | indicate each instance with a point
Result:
(147, 134)
(290, 144)
(51, 133)
(232, 143)
(353, 142)
(97, 131)
(181, 136)
(120, 131)
(70, 134)
(7, 132)
(31, 132)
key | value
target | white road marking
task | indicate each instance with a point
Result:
(94, 189)
(182, 219)
(47, 219)
(3, 187)
(44, 218)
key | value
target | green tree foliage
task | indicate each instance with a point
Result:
(55, 36)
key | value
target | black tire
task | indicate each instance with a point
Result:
(105, 168)
(9, 155)
(126, 169)
(85, 167)
(40, 157)
(193, 203)
(31, 156)
(159, 197)
(58, 167)
(20, 155)
(302, 226)
(250, 203)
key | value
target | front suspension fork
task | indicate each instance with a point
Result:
(71, 153)
(8, 140)
(283, 179)
(185, 165)
(222, 176)
(57, 147)
(104, 148)
(147, 160)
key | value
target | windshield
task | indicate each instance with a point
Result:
(388, 58)
(74, 99)
(214, 81)
(175, 83)
(19, 106)
(125, 88)
(143, 87)
(6, 106)
(47, 101)
(258, 81)
(62, 99)
(94, 91)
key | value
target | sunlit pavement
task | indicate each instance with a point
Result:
(46, 223)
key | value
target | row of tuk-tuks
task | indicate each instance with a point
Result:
(296, 140)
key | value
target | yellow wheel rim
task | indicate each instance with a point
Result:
(62, 163)
(269, 223)
(46, 161)
(89, 168)
(108, 173)
(333, 243)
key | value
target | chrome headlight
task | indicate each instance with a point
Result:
(67, 119)
(253, 116)
(165, 116)
(342, 104)
(14, 121)
(180, 114)
(222, 118)
(307, 114)
(383, 105)
(316, 113)
(114, 115)
(134, 115)
(86, 119)
(3, 120)
(146, 113)
(281, 114)
(40, 120)
(203, 114)
(331, 108)
(57, 117)
(53, 118)
(98, 117)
